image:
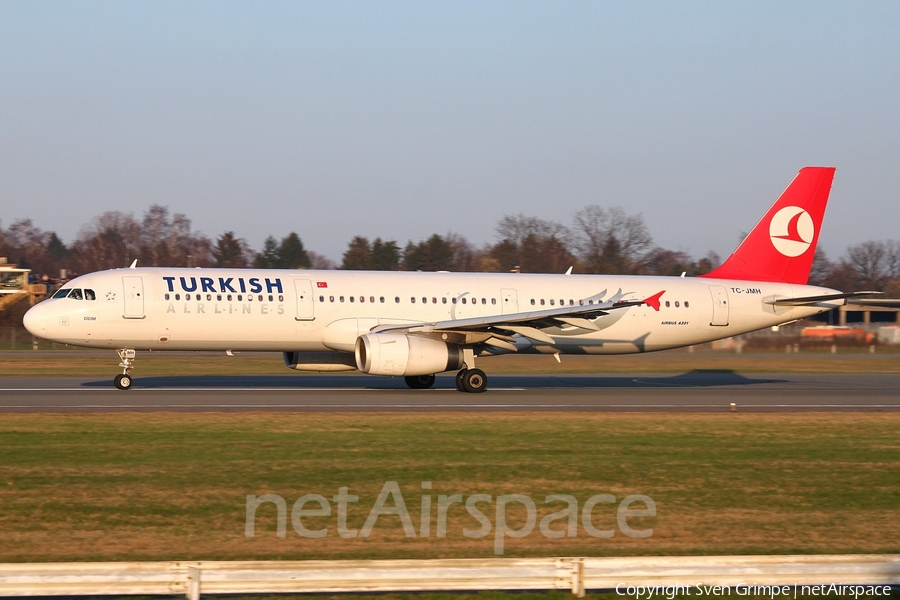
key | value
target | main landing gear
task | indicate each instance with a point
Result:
(420, 382)
(123, 380)
(467, 380)
(473, 381)
(470, 380)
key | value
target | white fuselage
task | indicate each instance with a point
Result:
(312, 311)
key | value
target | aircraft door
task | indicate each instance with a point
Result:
(510, 301)
(720, 305)
(305, 306)
(133, 287)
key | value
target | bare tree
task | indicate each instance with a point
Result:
(892, 259)
(110, 241)
(610, 240)
(317, 261)
(465, 256)
(515, 228)
(869, 261)
(28, 245)
(822, 268)
(531, 245)
(155, 231)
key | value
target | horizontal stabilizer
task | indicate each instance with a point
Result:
(810, 300)
(877, 302)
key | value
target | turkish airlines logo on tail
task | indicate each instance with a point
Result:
(791, 231)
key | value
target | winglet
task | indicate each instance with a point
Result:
(653, 301)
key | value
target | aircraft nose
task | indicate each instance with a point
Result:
(35, 321)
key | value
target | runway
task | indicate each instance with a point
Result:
(698, 391)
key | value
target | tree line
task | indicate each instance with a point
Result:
(598, 240)
(160, 238)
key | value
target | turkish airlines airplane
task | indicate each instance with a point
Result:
(415, 324)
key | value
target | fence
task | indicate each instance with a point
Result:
(575, 574)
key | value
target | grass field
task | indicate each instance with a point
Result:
(90, 363)
(162, 487)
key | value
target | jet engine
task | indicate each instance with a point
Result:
(319, 361)
(410, 355)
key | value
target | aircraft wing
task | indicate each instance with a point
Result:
(527, 324)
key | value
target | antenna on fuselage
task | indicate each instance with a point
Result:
(134, 264)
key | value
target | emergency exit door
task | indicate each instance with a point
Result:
(720, 305)
(305, 306)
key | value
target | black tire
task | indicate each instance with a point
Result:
(459, 380)
(420, 382)
(123, 381)
(474, 381)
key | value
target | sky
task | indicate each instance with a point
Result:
(402, 119)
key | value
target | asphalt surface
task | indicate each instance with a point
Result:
(700, 391)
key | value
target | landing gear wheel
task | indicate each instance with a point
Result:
(474, 381)
(126, 356)
(123, 381)
(420, 382)
(459, 380)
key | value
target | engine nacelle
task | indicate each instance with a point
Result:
(319, 361)
(400, 354)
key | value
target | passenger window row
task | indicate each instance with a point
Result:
(562, 302)
(412, 300)
(89, 295)
(678, 304)
(225, 297)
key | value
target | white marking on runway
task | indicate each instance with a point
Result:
(284, 389)
(337, 407)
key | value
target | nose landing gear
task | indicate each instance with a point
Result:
(123, 380)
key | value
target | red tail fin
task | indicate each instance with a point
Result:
(782, 245)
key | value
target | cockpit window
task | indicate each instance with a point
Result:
(76, 294)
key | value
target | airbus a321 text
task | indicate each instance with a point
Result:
(415, 324)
